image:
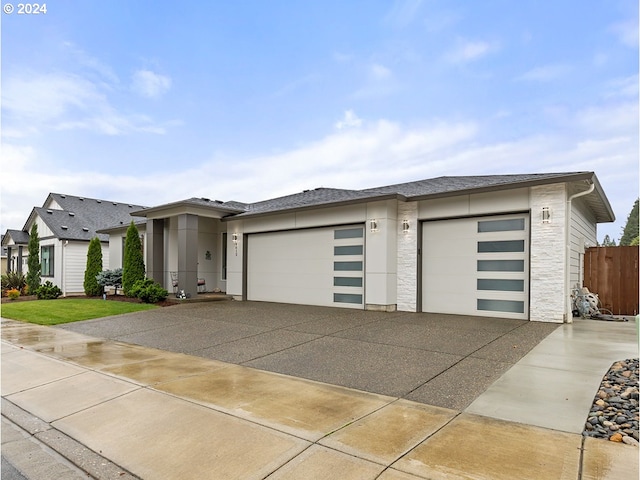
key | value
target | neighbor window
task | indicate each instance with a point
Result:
(46, 261)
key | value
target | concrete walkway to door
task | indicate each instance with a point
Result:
(441, 360)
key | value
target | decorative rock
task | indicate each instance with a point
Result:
(614, 413)
(616, 437)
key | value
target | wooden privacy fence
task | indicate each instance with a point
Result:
(612, 273)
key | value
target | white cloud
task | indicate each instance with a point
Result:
(402, 13)
(375, 153)
(34, 102)
(627, 32)
(545, 73)
(349, 120)
(623, 87)
(150, 84)
(468, 51)
(380, 72)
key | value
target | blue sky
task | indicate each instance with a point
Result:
(152, 102)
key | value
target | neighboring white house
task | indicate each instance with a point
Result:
(497, 245)
(66, 224)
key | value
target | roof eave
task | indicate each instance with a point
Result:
(340, 203)
(185, 204)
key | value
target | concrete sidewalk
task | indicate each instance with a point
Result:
(160, 414)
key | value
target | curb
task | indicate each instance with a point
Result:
(93, 464)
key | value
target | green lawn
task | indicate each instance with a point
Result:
(65, 310)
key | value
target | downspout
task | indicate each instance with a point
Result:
(567, 282)
(63, 278)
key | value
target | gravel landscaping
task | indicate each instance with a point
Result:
(614, 414)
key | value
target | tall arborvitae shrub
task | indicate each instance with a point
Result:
(33, 262)
(133, 263)
(94, 266)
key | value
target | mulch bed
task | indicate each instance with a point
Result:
(114, 298)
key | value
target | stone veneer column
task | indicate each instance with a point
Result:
(155, 251)
(408, 257)
(547, 251)
(188, 253)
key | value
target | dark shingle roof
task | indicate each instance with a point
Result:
(80, 217)
(18, 236)
(318, 196)
(429, 188)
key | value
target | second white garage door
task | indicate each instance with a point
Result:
(477, 266)
(320, 266)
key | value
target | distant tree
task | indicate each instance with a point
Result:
(33, 263)
(132, 263)
(635, 242)
(94, 266)
(607, 242)
(631, 228)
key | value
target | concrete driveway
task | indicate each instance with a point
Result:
(441, 360)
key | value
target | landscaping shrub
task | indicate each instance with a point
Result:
(14, 281)
(110, 278)
(13, 293)
(33, 262)
(133, 263)
(148, 291)
(94, 266)
(48, 291)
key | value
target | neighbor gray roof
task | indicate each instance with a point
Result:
(18, 236)
(81, 217)
(430, 188)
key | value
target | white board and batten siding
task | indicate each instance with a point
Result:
(582, 234)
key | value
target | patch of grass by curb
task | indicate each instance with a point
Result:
(66, 310)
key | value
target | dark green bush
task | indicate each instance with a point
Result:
(94, 266)
(48, 291)
(148, 291)
(132, 262)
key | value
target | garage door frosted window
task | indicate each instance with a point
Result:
(348, 233)
(508, 306)
(501, 246)
(498, 284)
(348, 250)
(501, 225)
(501, 265)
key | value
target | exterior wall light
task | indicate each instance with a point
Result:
(546, 215)
(373, 225)
(405, 226)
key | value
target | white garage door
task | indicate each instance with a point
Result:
(477, 266)
(321, 266)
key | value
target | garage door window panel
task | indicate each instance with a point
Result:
(347, 266)
(500, 265)
(348, 233)
(508, 306)
(347, 298)
(504, 225)
(347, 281)
(500, 284)
(501, 246)
(348, 250)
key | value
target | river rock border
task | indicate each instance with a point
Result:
(614, 414)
